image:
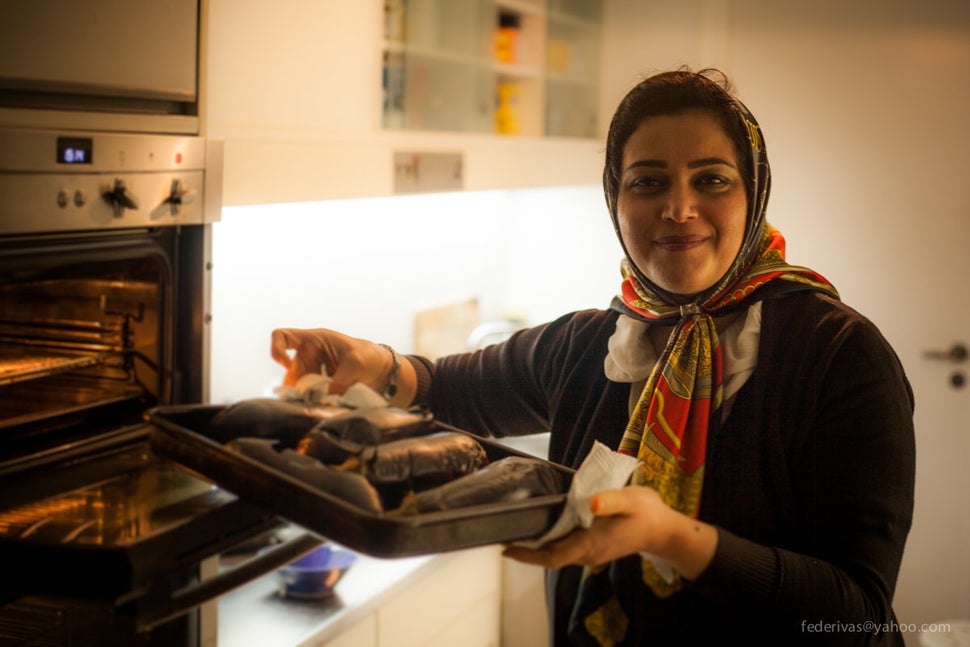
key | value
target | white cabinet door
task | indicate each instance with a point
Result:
(362, 634)
(302, 69)
(74, 47)
(456, 604)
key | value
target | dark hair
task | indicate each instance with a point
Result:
(671, 93)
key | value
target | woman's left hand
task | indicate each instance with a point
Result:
(631, 520)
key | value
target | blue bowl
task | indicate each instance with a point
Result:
(315, 575)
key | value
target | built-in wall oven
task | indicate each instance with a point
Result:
(103, 315)
(107, 198)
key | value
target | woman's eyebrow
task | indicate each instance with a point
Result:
(709, 161)
(648, 164)
(698, 163)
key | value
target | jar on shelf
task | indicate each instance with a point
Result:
(507, 108)
(507, 37)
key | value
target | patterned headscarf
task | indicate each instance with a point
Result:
(679, 407)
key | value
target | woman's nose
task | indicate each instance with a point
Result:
(680, 204)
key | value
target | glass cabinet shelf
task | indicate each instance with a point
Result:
(508, 67)
(572, 68)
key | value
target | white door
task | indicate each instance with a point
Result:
(866, 109)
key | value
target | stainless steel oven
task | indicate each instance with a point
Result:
(104, 242)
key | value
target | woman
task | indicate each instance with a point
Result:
(773, 423)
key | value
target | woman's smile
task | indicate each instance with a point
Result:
(680, 243)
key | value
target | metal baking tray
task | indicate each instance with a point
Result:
(179, 434)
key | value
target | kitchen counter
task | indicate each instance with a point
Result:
(255, 615)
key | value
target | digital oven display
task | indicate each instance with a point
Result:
(74, 150)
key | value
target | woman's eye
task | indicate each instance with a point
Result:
(645, 182)
(713, 180)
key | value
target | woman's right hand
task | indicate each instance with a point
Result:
(633, 519)
(346, 359)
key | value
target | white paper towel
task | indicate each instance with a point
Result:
(602, 470)
(314, 389)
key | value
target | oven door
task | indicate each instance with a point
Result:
(126, 532)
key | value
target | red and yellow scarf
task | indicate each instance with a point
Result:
(671, 423)
(668, 430)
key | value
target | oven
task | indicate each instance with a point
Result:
(104, 263)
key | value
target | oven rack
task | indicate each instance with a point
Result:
(38, 383)
(23, 366)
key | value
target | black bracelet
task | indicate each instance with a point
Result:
(389, 390)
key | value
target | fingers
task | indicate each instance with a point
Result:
(578, 547)
(575, 548)
(299, 363)
(536, 557)
(299, 351)
(608, 504)
(348, 372)
(281, 341)
(545, 556)
(347, 360)
(303, 364)
(629, 500)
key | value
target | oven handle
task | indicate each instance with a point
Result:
(186, 599)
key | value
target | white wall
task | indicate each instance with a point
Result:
(365, 267)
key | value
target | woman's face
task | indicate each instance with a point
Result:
(681, 206)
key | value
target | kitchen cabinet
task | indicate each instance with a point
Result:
(573, 38)
(362, 634)
(60, 66)
(508, 67)
(455, 604)
(297, 96)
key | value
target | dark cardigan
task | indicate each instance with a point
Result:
(809, 481)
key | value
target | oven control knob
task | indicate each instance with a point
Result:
(120, 198)
(179, 195)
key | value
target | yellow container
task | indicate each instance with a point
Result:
(507, 109)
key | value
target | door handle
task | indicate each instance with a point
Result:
(956, 353)
(163, 604)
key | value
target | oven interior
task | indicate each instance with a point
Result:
(95, 328)
(82, 341)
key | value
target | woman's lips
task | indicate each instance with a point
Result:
(680, 243)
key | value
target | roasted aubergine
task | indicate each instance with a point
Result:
(416, 464)
(285, 421)
(508, 479)
(350, 487)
